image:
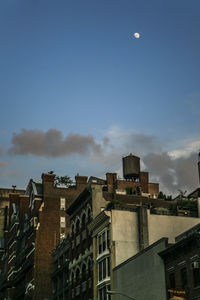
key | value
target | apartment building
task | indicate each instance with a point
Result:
(37, 222)
(182, 266)
(60, 274)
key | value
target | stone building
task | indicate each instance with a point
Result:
(37, 222)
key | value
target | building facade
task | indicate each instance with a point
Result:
(142, 276)
(37, 222)
(182, 266)
(60, 274)
(118, 234)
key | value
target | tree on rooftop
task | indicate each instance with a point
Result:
(63, 181)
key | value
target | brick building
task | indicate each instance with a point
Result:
(37, 222)
(182, 266)
(60, 275)
(4, 206)
(81, 211)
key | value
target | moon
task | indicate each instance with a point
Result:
(136, 35)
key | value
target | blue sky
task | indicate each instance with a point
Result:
(78, 91)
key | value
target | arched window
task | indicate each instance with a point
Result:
(89, 267)
(77, 275)
(72, 277)
(77, 226)
(84, 272)
(89, 214)
(83, 220)
(72, 229)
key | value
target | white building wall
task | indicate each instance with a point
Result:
(124, 234)
(168, 226)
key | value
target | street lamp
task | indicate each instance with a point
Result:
(118, 293)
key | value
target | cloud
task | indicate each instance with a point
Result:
(52, 143)
(130, 141)
(173, 173)
(172, 168)
(187, 149)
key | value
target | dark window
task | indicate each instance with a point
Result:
(77, 226)
(108, 265)
(89, 214)
(100, 246)
(108, 239)
(183, 277)
(172, 281)
(84, 272)
(196, 277)
(89, 268)
(100, 271)
(72, 230)
(104, 268)
(104, 240)
(77, 275)
(72, 278)
(83, 220)
(102, 293)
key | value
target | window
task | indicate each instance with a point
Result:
(103, 241)
(62, 203)
(84, 272)
(102, 293)
(100, 246)
(83, 220)
(77, 226)
(89, 268)
(104, 268)
(72, 229)
(108, 239)
(62, 222)
(77, 275)
(183, 277)
(172, 282)
(108, 265)
(196, 276)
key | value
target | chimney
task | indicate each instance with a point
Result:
(111, 181)
(81, 181)
(48, 177)
(48, 182)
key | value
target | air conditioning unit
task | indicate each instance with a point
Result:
(195, 265)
